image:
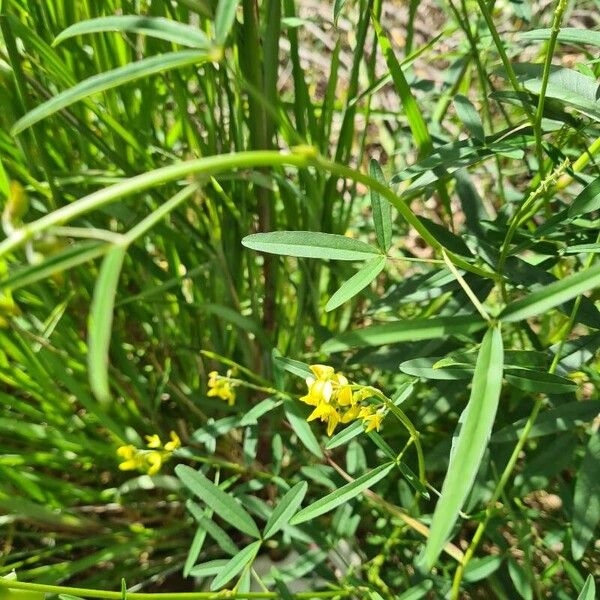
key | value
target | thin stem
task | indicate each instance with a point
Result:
(111, 595)
(537, 126)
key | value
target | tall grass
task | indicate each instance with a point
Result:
(158, 158)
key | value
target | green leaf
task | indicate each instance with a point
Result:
(404, 331)
(100, 321)
(382, 210)
(217, 533)
(224, 18)
(564, 85)
(222, 503)
(469, 116)
(588, 591)
(412, 111)
(539, 381)
(587, 200)
(427, 369)
(310, 244)
(563, 418)
(158, 27)
(569, 35)
(554, 294)
(345, 435)
(358, 282)
(194, 551)
(209, 568)
(106, 81)
(342, 495)
(586, 499)
(416, 592)
(235, 565)
(72, 256)
(301, 427)
(285, 510)
(337, 9)
(474, 429)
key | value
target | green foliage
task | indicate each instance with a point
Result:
(170, 347)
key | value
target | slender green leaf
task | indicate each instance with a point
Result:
(301, 427)
(416, 121)
(404, 331)
(569, 35)
(587, 200)
(72, 256)
(563, 418)
(285, 509)
(158, 27)
(111, 79)
(100, 321)
(221, 502)
(224, 19)
(474, 429)
(345, 435)
(194, 551)
(342, 495)
(554, 294)
(469, 116)
(358, 282)
(310, 244)
(235, 565)
(209, 568)
(586, 499)
(416, 592)
(588, 591)
(530, 380)
(382, 210)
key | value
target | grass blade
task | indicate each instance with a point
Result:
(310, 244)
(106, 81)
(358, 282)
(469, 116)
(587, 201)
(224, 18)
(100, 321)
(342, 495)
(158, 27)
(286, 508)
(588, 591)
(475, 427)
(222, 503)
(382, 210)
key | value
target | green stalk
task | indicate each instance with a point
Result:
(110, 595)
(537, 126)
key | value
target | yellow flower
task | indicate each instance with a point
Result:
(132, 459)
(153, 441)
(220, 387)
(327, 414)
(174, 443)
(154, 462)
(373, 421)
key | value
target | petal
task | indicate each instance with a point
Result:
(322, 371)
(344, 397)
(333, 420)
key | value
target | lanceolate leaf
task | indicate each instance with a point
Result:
(111, 79)
(569, 35)
(475, 427)
(359, 281)
(235, 565)
(224, 18)
(221, 502)
(411, 108)
(382, 210)
(286, 508)
(404, 331)
(542, 300)
(588, 591)
(469, 116)
(100, 321)
(587, 201)
(586, 500)
(343, 494)
(158, 27)
(310, 244)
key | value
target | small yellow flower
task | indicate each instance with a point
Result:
(373, 421)
(154, 462)
(174, 443)
(153, 441)
(220, 387)
(327, 414)
(132, 459)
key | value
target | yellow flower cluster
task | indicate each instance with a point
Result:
(336, 401)
(149, 461)
(221, 387)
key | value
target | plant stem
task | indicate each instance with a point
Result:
(111, 595)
